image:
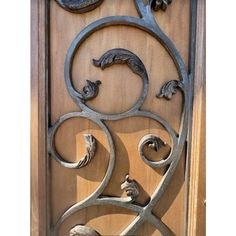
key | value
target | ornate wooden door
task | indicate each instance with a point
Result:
(117, 117)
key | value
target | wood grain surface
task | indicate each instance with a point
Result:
(119, 90)
(39, 207)
(197, 194)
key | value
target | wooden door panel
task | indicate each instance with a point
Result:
(132, 152)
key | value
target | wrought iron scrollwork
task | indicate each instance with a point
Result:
(82, 6)
(79, 6)
(147, 23)
(90, 148)
(155, 143)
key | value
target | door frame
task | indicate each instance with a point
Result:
(39, 77)
(197, 167)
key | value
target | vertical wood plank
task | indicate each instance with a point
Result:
(38, 120)
(34, 119)
(197, 191)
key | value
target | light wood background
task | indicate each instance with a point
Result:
(119, 90)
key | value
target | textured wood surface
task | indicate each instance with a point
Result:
(38, 118)
(119, 90)
(197, 194)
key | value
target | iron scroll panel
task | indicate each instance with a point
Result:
(147, 23)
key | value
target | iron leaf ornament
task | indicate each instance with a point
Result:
(83, 230)
(131, 188)
(79, 6)
(120, 56)
(91, 90)
(157, 5)
(169, 89)
(83, 6)
(91, 147)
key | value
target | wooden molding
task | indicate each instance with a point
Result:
(38, 120)
(197, 192)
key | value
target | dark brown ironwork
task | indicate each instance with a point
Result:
(79, 6)
(160, 4)
(169, 88)
(91, 89)
(147, 23)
